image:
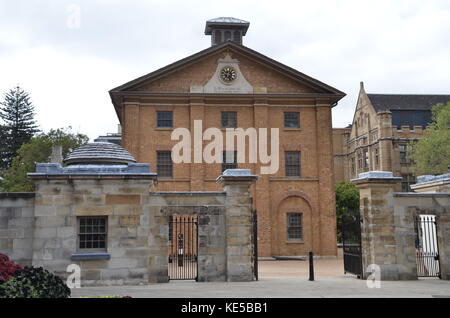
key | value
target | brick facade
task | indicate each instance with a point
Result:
(277, 89)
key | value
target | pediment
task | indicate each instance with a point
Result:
(200, 73)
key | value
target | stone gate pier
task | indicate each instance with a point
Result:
(388, 235)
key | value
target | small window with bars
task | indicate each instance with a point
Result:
(294, 227)
(292, 163)
(229, 160)
(164, 164)
(292, 120)
(229, 119)
(164, 119)
(92, 233)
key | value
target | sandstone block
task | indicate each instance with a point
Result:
(93, 210)
(123, 199)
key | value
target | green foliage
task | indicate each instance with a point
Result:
(17, 113)
(431, 154)
(38, 149)
(34, 283)
(347, 201)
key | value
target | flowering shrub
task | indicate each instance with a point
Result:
(34, 282)
(7, 268)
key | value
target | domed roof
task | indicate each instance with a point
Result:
(104, 153)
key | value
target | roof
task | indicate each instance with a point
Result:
(112, 138)
(383, 102)
(226, 22)
(323, 89)
(99, 153)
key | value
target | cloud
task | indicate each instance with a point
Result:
(69, 63)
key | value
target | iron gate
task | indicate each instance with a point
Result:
(427, 250)
(255, 244)
(351, 244)
(183, 248)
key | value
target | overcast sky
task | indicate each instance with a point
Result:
(69, 54)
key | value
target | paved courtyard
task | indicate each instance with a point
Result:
(286, 279)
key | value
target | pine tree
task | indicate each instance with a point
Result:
(19, 126)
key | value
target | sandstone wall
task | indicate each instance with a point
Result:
(16, 226)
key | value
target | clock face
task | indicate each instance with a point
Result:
(228, 74)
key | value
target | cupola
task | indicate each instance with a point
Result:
(226, 29)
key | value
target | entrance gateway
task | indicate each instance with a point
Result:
(183, 247)
(427, 249)
(351, 244)
(426, 245)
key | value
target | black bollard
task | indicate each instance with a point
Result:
(311, 266)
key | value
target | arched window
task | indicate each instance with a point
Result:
(227, 35)
(217, 37)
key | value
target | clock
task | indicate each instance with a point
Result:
(228, 74)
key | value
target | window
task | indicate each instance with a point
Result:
(164, 119)
(229, 160)
(403, 154)
(227, 35)
(229, 120)
(292, 120)
(292, 163)
(360, 161)
(164, 164)
(218, 36)
(92, 233)
(366, 159)
(377, 159)
(237, 37)
(294, 226)
(353, 166)
(407, 181)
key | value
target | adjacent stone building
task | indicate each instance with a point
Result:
(229, 85)
(383, 125)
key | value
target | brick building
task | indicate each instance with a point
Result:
(383, 126)
(231, 86)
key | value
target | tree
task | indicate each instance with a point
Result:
(17, 112)
(347, 201)
(38, 149)
(431, 154)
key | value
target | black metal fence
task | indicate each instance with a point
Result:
(351, 244)
(427, 249)
(255, 244)
(183, 248)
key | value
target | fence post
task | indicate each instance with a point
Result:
(311, 266)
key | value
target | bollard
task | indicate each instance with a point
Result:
(311, 266)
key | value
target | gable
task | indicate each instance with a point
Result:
(200, 72)
(365, 117)
(258, 69)
(264, 75)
